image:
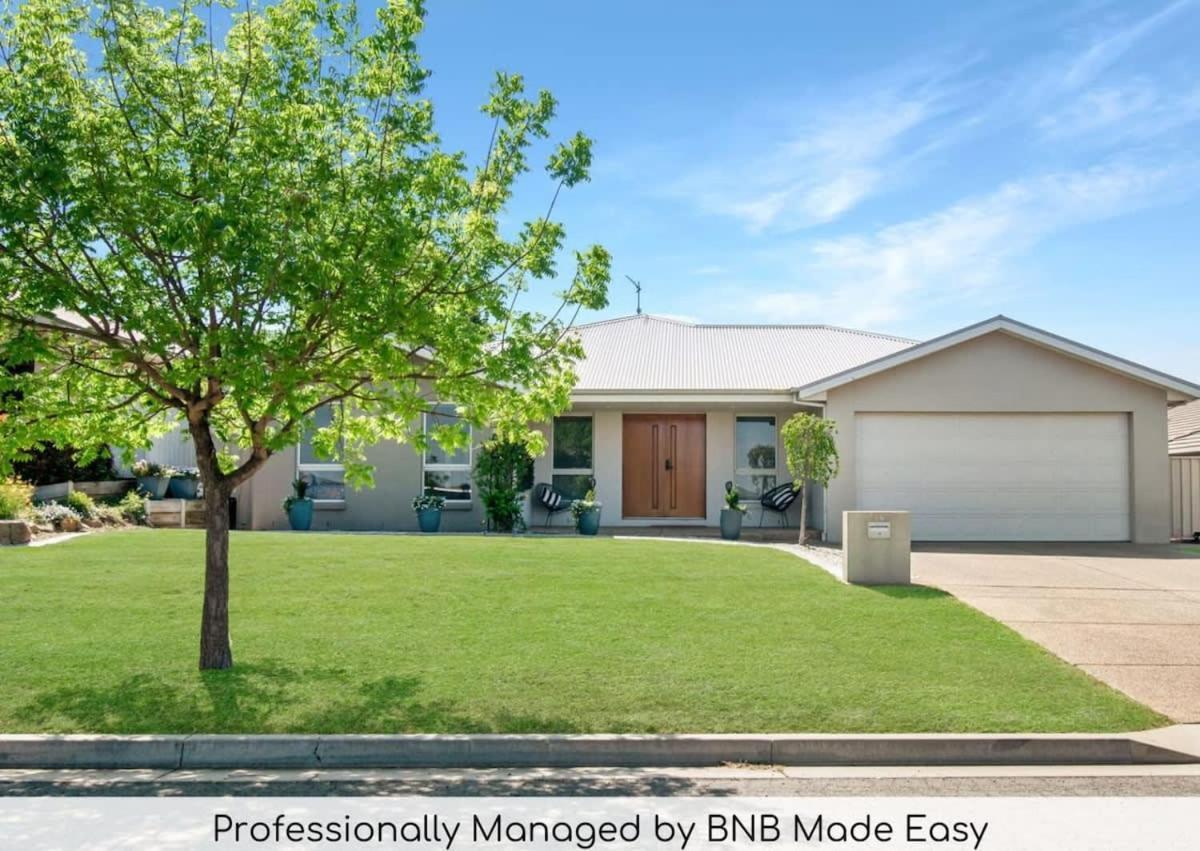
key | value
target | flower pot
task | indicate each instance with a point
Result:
(184, 488)
(731, 524)
(589, 522)
(300, 514)
(429, 519)
(155, 486)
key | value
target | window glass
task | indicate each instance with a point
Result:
(572, 443)
(325, 484)
(755, 443)
(753, 485)
(572, 485)
(435, 454)
(451, 485)
(322, 418)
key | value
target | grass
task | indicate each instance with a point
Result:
(338, 633)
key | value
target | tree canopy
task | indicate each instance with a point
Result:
(243, 228)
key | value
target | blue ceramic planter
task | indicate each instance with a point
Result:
(300, 515)
(156, 486)
(731, 524)
(589, 522)
(184, 488)
(429, 519)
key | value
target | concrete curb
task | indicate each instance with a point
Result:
(1173, 745)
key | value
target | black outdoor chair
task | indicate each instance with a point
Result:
(780, 499)
(550, 500)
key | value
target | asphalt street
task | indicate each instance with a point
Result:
(1180, 780)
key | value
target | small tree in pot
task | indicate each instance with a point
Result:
(812, 456)
(732, 513)
(298, 506)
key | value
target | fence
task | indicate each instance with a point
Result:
(1185, 497)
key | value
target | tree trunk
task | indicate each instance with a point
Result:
(215, 650)
(803, 512)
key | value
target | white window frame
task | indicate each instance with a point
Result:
(321, 467)
(739, 470)
(449, 468)
(573, 471)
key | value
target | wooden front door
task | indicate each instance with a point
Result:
(663, 465)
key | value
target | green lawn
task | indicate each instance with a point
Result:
(340, 633)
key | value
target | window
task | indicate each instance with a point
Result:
(447, 472)
(755, 472)
(571, 455)
(326, 477)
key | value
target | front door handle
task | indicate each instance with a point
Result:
(669, 464)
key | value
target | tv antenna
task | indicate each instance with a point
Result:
(637, 286)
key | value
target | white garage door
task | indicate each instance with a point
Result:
(998, 477)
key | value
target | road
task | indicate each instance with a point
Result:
(1181, 780)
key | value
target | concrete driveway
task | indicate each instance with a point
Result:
(1127, 614)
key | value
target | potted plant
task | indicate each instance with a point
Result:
(586, 512)
(153, 478)
(429, 511)
(732, 514)
(185, 484)
(298, 506)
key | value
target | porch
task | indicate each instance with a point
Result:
(662, 466)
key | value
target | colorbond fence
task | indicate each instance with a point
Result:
(1185, 497)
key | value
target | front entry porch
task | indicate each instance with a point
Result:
(623, 450)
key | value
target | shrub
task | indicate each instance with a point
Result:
(57, 515)
(83, 504)
(14, 498)
(299, 492)
(504, 471)
(428, 501)
(132, 508)
(582, 506)
(52, 464)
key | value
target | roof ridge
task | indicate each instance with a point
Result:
(816, 325)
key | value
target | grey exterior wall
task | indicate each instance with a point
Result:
(1002, 374)
(386, 507)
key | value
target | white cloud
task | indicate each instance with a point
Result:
(1134, 110)
(827, 164)
(882, 276)
(1105, 52)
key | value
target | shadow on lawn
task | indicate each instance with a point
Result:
(261, 697)
(908, 592)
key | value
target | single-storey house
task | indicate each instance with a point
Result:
(996, 431)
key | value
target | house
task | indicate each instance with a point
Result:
(996, 431)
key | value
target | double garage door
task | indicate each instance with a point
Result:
(998, 477)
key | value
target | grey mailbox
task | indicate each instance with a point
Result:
(876, 547)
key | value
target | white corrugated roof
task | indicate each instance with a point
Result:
(1183, 429)
(640, 353)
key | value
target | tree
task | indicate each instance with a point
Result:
(812, 456)
(240, 230)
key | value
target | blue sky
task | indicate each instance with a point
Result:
(906, 167)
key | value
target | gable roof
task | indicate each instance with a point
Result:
(1177, 389)
(646, 353)
(1183, 429)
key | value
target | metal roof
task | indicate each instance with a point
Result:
(654, 353)
(1183, 429)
